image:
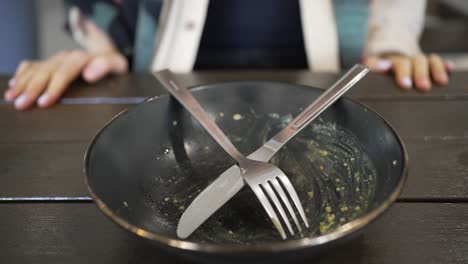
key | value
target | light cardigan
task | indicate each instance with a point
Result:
(394, 26)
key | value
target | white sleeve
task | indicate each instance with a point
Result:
(395, 26)
(87, 34)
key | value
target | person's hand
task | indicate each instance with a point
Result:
(418, 71)
(45, 81)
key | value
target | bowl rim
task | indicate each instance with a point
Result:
(283, 245)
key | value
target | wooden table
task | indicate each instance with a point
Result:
(48, 217)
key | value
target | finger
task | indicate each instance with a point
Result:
(20, 81)
(102, 65)
(34, 88)
(421, 73)
(119, 63)
(24, 72)
(39, 76)
(38, 81)
(13, 91)
(438, 69)
(21, 68)
(378, 64)
(449, 66)
(402, 70)
(66, 72)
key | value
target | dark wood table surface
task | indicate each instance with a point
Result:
(47, 216)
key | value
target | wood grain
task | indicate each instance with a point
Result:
(42, 170)
(132, 85)
(411, 119)
(60, 123)
(424, 119)
(438, 170)
(41, 157)
(373, 86)
(78, 233)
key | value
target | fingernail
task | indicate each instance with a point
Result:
(426, 85)
(383, 65)
(407, 82)
(450, 65)
(442, 78)
(91, 73)
(20, 101)
(11, 82)
(42, 99)
(8, 95)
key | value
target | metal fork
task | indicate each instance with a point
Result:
(266, 180)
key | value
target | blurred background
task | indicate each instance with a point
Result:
(40, 31)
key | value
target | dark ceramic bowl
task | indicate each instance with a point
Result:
(146, 166)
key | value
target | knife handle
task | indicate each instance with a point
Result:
(191, 104)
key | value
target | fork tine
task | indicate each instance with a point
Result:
(292, 192)
(285, 199)
(278, 205)
(269, 209)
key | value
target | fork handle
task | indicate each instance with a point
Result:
(191, 104)
(329, 96)
(269, 149)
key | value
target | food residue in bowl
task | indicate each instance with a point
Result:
(274, 115)
(323, 152)
(325, 158)
(324, 227)
(237, 117)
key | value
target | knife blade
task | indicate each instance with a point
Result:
(210, 200)
(217, 194)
